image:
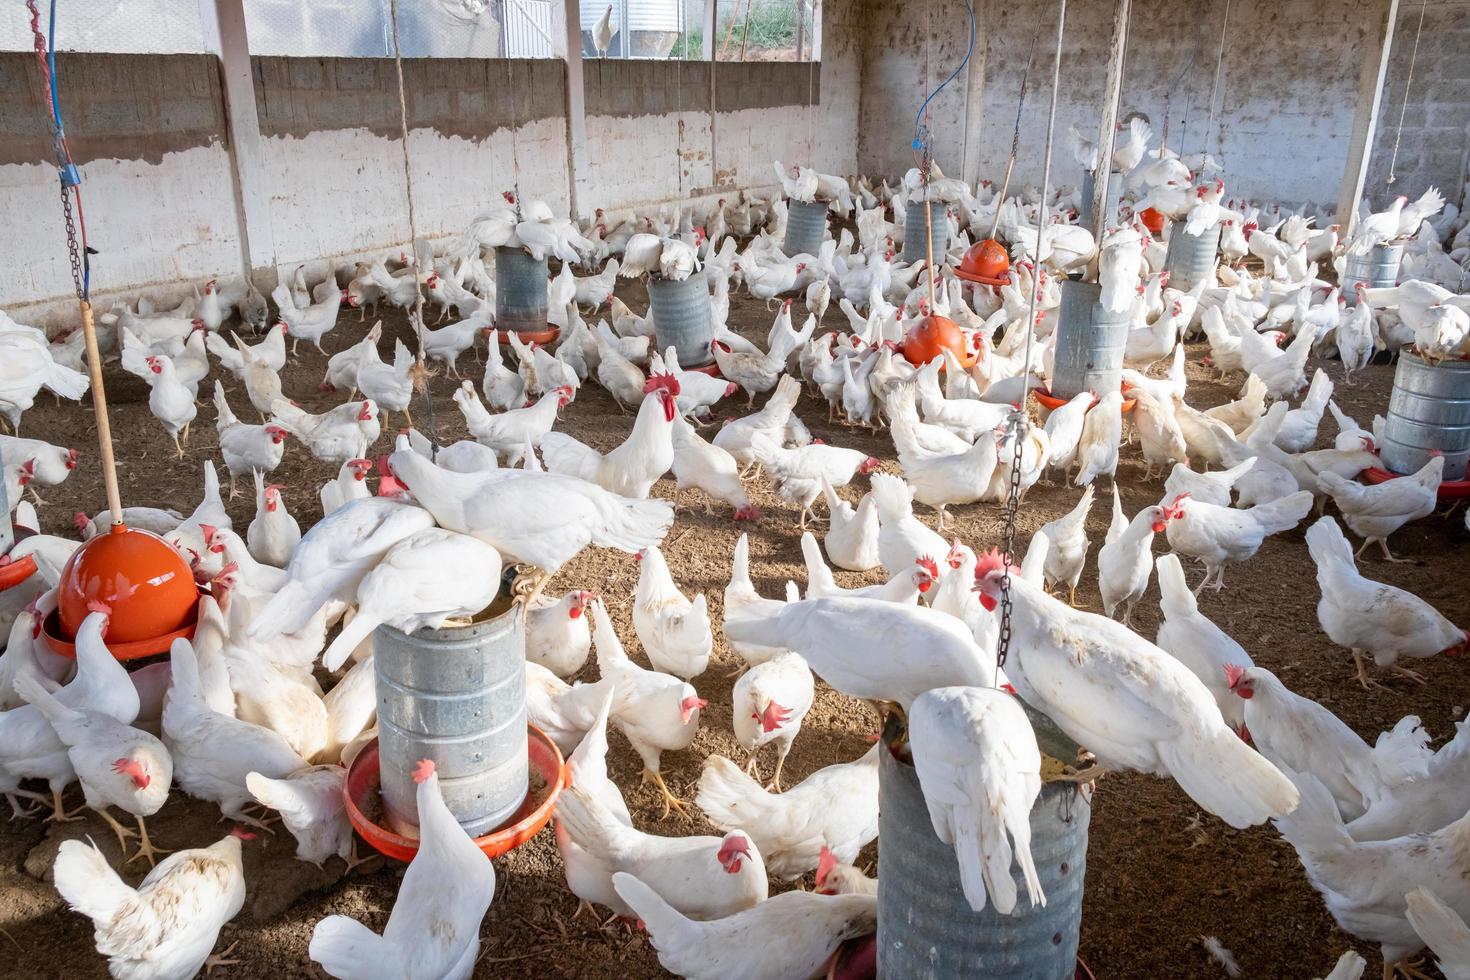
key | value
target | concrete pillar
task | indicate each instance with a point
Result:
(224, 33)
(1108, 125)
(1377, 43)
(576, 107)
(711, 45)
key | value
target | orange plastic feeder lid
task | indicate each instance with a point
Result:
(930, 336)
(144, 582)
(361, 794)
(1152, 220)
(1051, 403)
(986, 263)
(546, 336)
(13, 572)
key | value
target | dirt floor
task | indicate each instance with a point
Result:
(1159, 874)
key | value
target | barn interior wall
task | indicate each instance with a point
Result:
(1286, 99)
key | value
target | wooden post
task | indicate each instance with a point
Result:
(1108, 125)
(224, 27)
(975, 96)
(576, 104)
(1377, 43)
(99, 407)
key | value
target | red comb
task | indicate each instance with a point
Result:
(991, 560)
(98, 606)
(424, 770)
(242, 833)
(1233, 673)
(929, 565)
(825, 863)
(667, 382)
(773, 717)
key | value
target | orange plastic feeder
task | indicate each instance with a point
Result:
(361, 794)
(986, 263)
(933, 334)
(546, 336)
(1152, 220)
(141, 578)
(13, 572)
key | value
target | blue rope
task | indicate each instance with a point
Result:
(51, 66)
(920, 133)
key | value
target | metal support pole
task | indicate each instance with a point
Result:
(1108, 125)
(1377, 43)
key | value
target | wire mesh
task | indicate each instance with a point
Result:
(112, 26)
(426, 29)
(765, 30)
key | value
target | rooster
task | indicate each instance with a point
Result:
(634, 467)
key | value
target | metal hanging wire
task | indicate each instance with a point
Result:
(1017, 423)
(1168, 98)
(420, 370)
(1398, 134)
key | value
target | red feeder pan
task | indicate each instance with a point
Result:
(141, 578)
(12, 573)
(362, 787)
(529, 337)
(1051, 403)
(931, 335)
(986, 263)
(1448, 490)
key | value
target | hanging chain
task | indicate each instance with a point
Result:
(1215, 85)
(1018, 424)
(1408, 84)
(66, 170)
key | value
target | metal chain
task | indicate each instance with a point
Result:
(73, 247)
(64, 165)
(1018, 425)
(1404, 108)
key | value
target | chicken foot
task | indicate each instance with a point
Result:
(774, 786)
(58, 810)
(1363, 678)
(1383, 545)
(218, 959)
(122, 832)
(145, 846)
(670, 800)
(1409, 968)
(12, 797)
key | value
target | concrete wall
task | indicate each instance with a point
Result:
(1288, 91)
(334, 156)
(152, 141)
(1436, 122)
(150, 138)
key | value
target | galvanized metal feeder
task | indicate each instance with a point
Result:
(925, 234)
(806, 226)
(926, 928)
(1191, 259)
(455, 695)
(1089, 192)
(1428, 411)
(1089, 346)
(1379, 269)
(520, 296)
(682, 319)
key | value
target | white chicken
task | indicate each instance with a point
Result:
(1097, 447)
(632, 468)
(434, 928)
(1124, 562)
(165, 928)
(1442, 930)
(852, 534)
(1191, 638)
(793, 934)
(675, 632)
(768, 703)
(1217, 535)
(1130, 703)
(421, 582)
(311, 807)
(657, 712)
(1374, 618)
(557, 635)
(246, 448)
(741, 599)
(902, 538)
(1068, 552)
(389, 386)
(1375, 512)
(706, 877)
(980, 769)
(273, 535)
(350, 484)
(335, 436)
(700, 465)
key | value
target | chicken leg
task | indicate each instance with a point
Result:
(1412, 675)
(218, 959)
(774, 786)
(670, 800)
(122, 832)
(1409, 969)
(145, 846)
(58, 810)
(12, 797)
(1363, 678)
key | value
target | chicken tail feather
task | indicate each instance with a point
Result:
(91, 887)
(659, 917)
(1227, 777)
(345, 948)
